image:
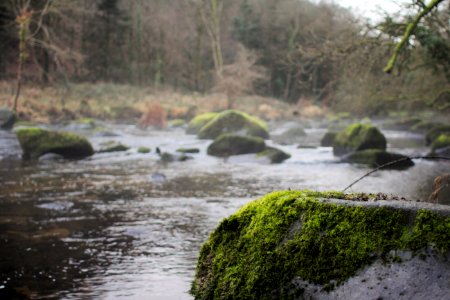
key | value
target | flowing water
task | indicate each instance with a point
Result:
(124, 225)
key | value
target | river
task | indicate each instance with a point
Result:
(125, 226)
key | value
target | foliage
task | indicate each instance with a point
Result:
(155, 116)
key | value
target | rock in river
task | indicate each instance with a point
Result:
(36, 142)
(229, 144)
(7, 118)
(235, 122)
(327, 245)
(376, 157)
(358, 137)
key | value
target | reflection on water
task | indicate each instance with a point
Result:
(123, 225)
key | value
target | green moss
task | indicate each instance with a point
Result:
(275, 155)
(143, 150)
(358, 137)
(440, 142)
(258, 251)
(232, 121)
(188, 150)
(177, 123)
(228, 144)
(36, 142)
(435, 132)
(199, 121)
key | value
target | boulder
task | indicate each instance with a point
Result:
(176, 123)
(199, 121)
(327, 245)
(436, 131)
(275, 155)
(36, 142)
(328, 139)
(234, 122)
(229, 144)
(358, 137)
(441, 142)
(291, 136)
(375, 158)
(167, 157)
(112, 146)
(7, 118)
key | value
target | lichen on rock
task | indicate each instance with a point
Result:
(36, 142)
(286, 236)
(358, 137)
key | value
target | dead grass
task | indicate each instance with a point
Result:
(108, 101)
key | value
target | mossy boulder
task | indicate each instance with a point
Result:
(36, 142)
(328, 139)
(292, 244)
(234, 122)
(167, 157)
(199, 121)
(442, 141)
(7, 118)
(176, 123)
(229, 144)
(275, 155)
(436, 131)
(358, 137)
(375, 158)
(291, 136)
(112, 146)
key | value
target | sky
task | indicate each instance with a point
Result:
(372, 9)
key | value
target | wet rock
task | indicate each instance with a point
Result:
(229, 144)
(327, 245)
(7, 118)
(188, 150)
(143, 150)
(441, 142)
(436, 131)
(375, 158)
(169, 157)
(36, 142)
(275, 155)
(199, 121)
(291, 136)
(424, 126)
(176, 123)
(234, 122)
(328, 139)
(358, 137)
(112, 146)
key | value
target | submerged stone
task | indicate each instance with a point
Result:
(275, 155)
(375, 158)
(188, 150)
(112, 146)
(228, 144)
(36, 142)
(306, 244)
(143, 150)
(358, 137)
(234, 122)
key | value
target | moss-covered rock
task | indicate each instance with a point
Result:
(7, 118)
(167, 157)
(436, 131)
(229, 144)
(358, 137)
(442, 141)
(176, 123)
(290, 236)
(291, 136)
(199, 121)
(275, 155)
(143, 150)
(234, 122)
(328, 139)
(36, 142)
(188, 150)
(112, 146)
(375, 158)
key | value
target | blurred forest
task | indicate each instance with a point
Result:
(298, 51)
